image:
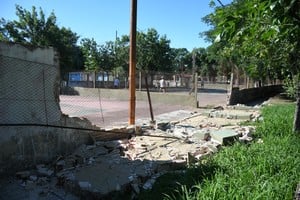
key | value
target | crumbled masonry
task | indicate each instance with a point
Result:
(133, 164)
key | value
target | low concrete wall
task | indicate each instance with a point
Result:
(123, 95)
(29, 84)
(24, 147)
(245, 96)
(32, 127)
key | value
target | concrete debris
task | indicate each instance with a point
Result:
(245, 133)
(183, 131)
(150, 182)
(164, 126)
(101, 168)
(219, 108)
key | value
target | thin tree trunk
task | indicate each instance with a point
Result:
(297, 116)
(237, 80)
(297, 111)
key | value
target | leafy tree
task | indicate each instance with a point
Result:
(181, 59)
(71, 57)
(90, 52)
(207, 64)
(107, 56)
(35, 29)
(261, 37)
(32, 28)
(256, 35)
(122, 55)
(153, 52)
(213, 55)
(98, 57)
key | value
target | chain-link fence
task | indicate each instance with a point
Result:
(79, 100)
(107, 79)
(27, 92)
(30, 92)
(30, 96)
(173, 80)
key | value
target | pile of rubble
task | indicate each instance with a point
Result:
(132, 164)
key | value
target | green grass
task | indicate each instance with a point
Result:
(268, 170)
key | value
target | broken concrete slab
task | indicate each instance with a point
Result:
(202, 134)
(131, 164)
(225, 136)
(167, 118)
(221, 118)
(230, 114)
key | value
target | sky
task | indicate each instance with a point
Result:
(179, 20)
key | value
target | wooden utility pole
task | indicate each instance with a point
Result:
(132, 62)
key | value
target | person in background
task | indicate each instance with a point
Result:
(116, 83)
(202, 83)
(162, 84)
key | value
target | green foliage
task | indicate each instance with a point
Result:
(278, 121)
(34, 28)
(180, 181)
(261, 37)
(122, 54)
(107, 56)
(181, 59)
(261, 170)
(265, 170)
(90, 52)
(291, 86)
(153, 51)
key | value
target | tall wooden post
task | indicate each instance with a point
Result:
(132, 62)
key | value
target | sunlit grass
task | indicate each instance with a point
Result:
(268, 170)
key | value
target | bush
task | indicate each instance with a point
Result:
(290, 86)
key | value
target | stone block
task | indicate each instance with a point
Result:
(225, 136)
(202, 135)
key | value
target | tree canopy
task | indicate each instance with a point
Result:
(153, 50)
(34, 28)
(261, 37)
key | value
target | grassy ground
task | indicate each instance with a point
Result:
(268, 168)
